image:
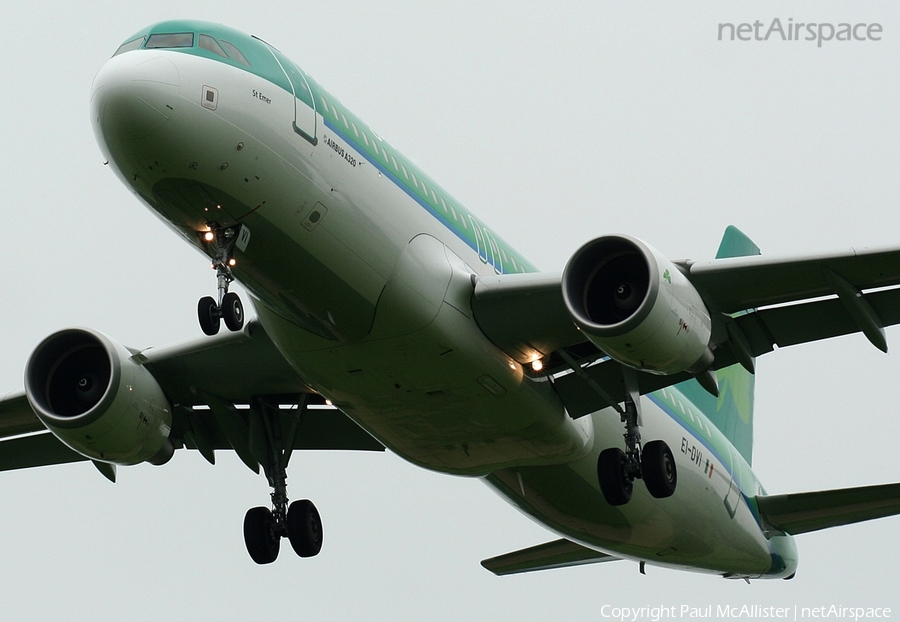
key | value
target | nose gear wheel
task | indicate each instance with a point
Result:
(228, 306)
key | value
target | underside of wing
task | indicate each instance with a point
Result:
(739, 283)
(810, 511)
(16, 416)
(562, 329)
(557, 554)
(230, 392)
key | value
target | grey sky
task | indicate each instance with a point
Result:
(553, 122)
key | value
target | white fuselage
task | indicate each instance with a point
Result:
(366, 294)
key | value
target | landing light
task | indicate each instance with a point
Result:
(537, 365)
(209, 236)
(328, 403)
(232, 262)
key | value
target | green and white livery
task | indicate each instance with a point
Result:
(611, 402)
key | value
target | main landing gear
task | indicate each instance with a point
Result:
(299, 522)
(228, 307)
(654, 462)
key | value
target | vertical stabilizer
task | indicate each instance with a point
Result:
(732, 412)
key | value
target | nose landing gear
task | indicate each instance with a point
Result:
(228, 307)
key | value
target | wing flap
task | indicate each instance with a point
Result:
(36, 450)
(557, 554)
(812, 321)
(16, 416)
(319, 428)
(810, 511)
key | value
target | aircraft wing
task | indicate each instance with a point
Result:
(214, 386)
(740, 283)
(756, 303)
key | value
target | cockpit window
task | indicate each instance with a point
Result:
(235, 53)
(171, 40)
(130, 45)
(209, 44)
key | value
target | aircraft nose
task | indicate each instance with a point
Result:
(133, 97)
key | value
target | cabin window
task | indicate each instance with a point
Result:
(394, 162)
(235, 53)
(444, 205)
(344, 118)
(209, 44)
(405, 173)
(355, 131)
(130, 45)
(171, 40)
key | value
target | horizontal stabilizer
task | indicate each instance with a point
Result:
(556, 554)
(811, 511)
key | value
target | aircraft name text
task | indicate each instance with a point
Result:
(261, 97)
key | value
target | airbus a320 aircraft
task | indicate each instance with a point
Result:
(611, 402)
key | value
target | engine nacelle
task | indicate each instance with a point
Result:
(636, 306)
(89, 392)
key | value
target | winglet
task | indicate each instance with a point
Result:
(556, 554)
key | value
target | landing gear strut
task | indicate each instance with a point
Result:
(228, 307)
(654, 463)
(299, 522)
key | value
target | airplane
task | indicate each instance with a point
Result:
(391, 317)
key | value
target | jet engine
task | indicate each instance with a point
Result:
(96, 399)
(637, 306)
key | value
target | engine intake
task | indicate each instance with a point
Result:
(637, 306)
(96, 399)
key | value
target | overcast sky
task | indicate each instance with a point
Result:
(554, 122)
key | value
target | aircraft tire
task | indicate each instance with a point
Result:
(658, 469)
(208, 314)
(233, 311)
(304, 528)
(614, 483)
(259, 535)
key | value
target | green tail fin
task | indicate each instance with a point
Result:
(732, 412)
